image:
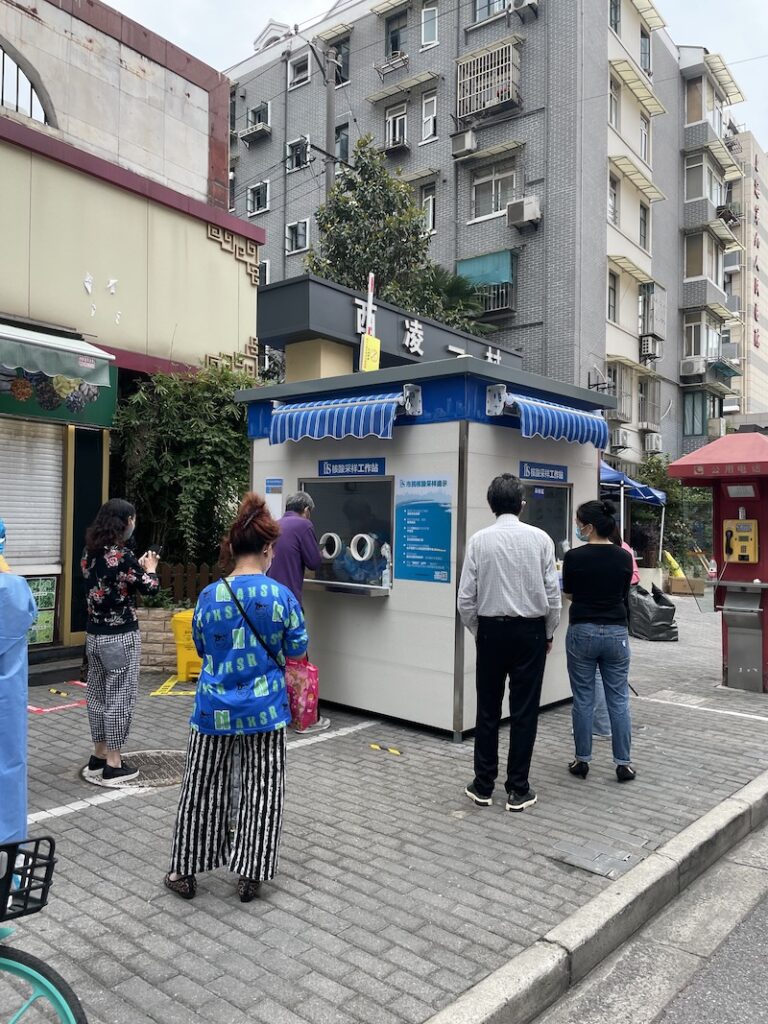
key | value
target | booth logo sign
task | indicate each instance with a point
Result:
(542, 472)
(344, 467)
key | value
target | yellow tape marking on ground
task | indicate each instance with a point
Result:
(169, 687)
(388, 750)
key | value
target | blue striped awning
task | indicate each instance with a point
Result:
(371, 416)
(559, 422)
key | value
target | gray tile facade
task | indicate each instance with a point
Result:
(562, 158)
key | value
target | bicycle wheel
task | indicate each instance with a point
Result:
(40, 994)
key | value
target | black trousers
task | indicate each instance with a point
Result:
(514, 649)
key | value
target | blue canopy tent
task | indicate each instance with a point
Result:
(629, 488)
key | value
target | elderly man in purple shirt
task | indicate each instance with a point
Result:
(296, 551)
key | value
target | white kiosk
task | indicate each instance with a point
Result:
(398, 463)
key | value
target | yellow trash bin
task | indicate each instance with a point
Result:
(188, 662)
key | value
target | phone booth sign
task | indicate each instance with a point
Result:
(736, 468)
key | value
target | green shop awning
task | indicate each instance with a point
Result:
(53, 355)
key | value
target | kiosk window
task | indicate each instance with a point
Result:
(549, 508)
(352, 519)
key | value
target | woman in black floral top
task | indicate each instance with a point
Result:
(114, 576)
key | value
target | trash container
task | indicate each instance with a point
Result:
(188, 662)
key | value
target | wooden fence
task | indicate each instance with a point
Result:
(186, 581)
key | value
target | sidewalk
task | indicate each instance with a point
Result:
(395, 894)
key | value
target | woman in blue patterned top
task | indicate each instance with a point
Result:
(244, 627)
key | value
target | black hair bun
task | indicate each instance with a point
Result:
(609, 509)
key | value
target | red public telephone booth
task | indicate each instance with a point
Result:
(736, 468)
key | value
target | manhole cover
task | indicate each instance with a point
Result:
(157, 768)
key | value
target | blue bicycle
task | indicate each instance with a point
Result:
(29, 989)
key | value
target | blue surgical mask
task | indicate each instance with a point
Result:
(580, 535)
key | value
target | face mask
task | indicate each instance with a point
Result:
(580, 535)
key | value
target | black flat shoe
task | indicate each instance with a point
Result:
(247, 888)
(184, 886)
(625, 773)
(579, 768)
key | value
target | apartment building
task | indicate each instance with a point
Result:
(547, 144)
(711, 356)
(746, 282)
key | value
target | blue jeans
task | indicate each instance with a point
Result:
(589, 647)
(601, 722)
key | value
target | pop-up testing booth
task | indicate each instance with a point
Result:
(398, 463)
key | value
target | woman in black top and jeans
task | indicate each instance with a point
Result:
(113, 576)
(596, 577)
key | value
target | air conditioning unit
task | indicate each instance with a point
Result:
(652, 444)
(716, 427)
(463, 144)
(524, 212)
(693, 366)
(525, 8)
(650, 348)
(619, 438)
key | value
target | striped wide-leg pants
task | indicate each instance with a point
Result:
(111, 693)
(201, 840)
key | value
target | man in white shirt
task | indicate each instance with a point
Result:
(509, 599)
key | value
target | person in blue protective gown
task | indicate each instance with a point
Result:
(18, 612)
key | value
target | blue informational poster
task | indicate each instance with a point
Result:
(423, 529)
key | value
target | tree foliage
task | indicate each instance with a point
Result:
(688, 517)
(371, 223)
(184, 446)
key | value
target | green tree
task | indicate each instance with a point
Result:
(688, 517)
(371, 223)
(185, 453)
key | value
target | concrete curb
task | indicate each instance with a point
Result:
(536, 978)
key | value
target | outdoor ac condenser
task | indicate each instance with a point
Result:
(463, 144)
(693, 366)
(524, 212)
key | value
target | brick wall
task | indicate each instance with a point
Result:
(158, 649)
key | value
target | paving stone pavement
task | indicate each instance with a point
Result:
(395, 894)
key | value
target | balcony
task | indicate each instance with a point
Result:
(489, 79)
(703, 136)
(257, 130)
(498, 299)
(702, 293)
(396, 144)
(402, 87)
(702, 213)
(697, 213)
(392, 62)
(730, 213)
(713, 375)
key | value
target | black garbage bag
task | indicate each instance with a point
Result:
(651, 616)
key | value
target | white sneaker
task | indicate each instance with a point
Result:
(319, 726)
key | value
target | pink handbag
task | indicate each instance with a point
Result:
(302, 680)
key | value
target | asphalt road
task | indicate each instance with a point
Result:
(733, 985)
(703, 960)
